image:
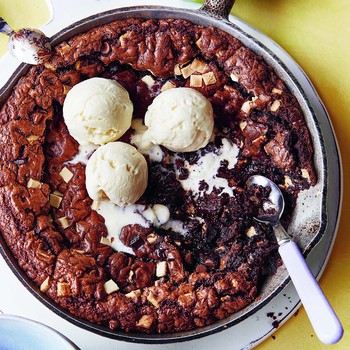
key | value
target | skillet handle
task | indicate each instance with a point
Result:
(218, 8)
(322, 317)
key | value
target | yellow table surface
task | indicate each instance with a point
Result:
(317, 35)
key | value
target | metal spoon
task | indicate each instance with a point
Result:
(27, 45)
(322, 317)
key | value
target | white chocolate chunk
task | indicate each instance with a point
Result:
(64, 222)
(133, 294)
(66, 174)
(32, 138)
(167, 86)
(275, 106)
(187, 71)
(148, 80)
(246, 106)
(105, 240)
(45, 285)
(152, 300)
(287, 181)
(177, 70)
(161, 269)
(251, 232)
(209, 78)
(198, 65)
(63, 289)
(63, 49)
(57, 193)
(152, 238)
(110, 287)
(131, 276)
(242, 125)
(234, 283)
(145, 321)
(305, 174)
(55, 200)
(234, 77)
(199, 42)
(33, 183)
(196, 81)
(277, 91)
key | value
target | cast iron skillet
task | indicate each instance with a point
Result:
(317, 211)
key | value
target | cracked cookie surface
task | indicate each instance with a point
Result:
(174, 279)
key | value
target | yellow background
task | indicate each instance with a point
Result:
(317, 35)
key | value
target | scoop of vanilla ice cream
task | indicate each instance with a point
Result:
(116, 171)
(97, 111)
(180, 119)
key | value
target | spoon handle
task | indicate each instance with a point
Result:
(4, 27)
(322, 317)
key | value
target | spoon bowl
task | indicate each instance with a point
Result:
(30, 46)
(273, 206)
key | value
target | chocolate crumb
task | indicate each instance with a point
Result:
(275, 324)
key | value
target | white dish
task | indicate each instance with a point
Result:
(251, 330)
(18, 333)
